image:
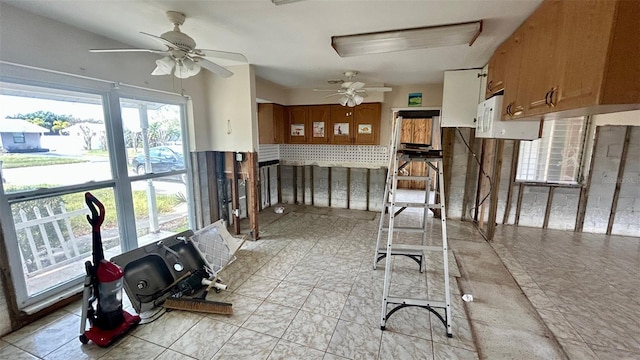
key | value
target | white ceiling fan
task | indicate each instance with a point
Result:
(353, 92)
(181, 56)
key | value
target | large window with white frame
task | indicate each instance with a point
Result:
(556, 157)
(126, 146)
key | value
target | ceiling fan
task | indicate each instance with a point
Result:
(181, 56)
(353, 92)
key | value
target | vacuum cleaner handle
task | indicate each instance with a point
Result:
(96, 219)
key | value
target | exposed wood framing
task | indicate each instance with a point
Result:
(486, 186)
(311, 185)
(279, 183)
(493, 198)
(348, 187)
(254, 197)
(269, 184)
(8, 288)
(481, 178)
(472, 171)
(294, 169)
(329, 185)
(368, 185)
(547, 210)
(198, 197)
(261, 172)
(616, 193)
(448, 147)
(235, 201)
(512, 178)
(304, 185)
(584, 192)
(519, 203)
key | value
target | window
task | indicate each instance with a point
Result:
(557, 156)
(18, 138)
(42, 207)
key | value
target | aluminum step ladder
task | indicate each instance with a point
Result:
(401, 155)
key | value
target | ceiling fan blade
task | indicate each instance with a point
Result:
(380, 88)
(168, 44)
(213, 67)
(357, 85)
(226, 55)
(334, 90)
(128, 50)
(332, 95)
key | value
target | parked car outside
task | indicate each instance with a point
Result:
(163, 159)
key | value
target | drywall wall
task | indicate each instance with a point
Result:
(399, 98)
(619, 118)
(310, 97)
(232, 111)
(266, 91)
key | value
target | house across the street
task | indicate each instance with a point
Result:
(21, 136)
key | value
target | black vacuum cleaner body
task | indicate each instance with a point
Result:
(102, 285)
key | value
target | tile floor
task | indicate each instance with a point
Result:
(306, 290)
(585, 286)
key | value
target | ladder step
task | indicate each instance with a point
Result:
(404, 249)
(413, 205)
(418, 302)
(405, 229)
(413, 177)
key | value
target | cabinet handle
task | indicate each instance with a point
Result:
(490, 85)
(509, 109)
(552, 102)
(518, 111)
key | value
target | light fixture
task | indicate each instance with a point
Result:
(283, 2)
(351, 100)
(184, 67)
(164, 66)
(343, 100)
(407, 39)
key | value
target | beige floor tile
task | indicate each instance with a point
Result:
(355, 341)
(167, 329)
(132, 348)
(242, 306)
(204, 339)
(398, 346)
(75, 350)
(325, 302)
(446, 352)
(286, 350)
(11, 352)
(311, 330)
(247, 345)
(269, 318)
(290, 294)
(173, 355)
(257, 286)
(52, 336)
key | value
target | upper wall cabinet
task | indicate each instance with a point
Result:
(319, 121)
(333, 124)
(571, 58)
(297, 124)
(460, 94)
(270, 124)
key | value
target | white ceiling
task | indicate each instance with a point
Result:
(290, 44)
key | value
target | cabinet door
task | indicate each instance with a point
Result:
(319, 122)
(496, 70)
(266, 131)
(341, 124)
(278, 124)
(513, 87)
(366, 124)
(540, 67)
(582, 49)
(297, 124)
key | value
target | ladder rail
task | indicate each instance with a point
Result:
(400, 158)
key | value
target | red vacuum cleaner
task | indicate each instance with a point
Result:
(102, 285)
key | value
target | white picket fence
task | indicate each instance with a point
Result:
(55, 256)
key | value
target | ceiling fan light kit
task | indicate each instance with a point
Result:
(181, 56)
(353, 92)
(407, 39)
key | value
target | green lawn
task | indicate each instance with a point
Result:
(10, 161)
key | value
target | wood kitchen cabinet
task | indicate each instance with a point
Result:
(297, 124)
(320, 123)
(270, 123)
(358, 125)
(496, 70)
(571, 58)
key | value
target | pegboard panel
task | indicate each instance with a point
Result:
(268, 152)
(367, 156)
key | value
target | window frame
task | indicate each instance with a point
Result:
(120, 182)
(582, 149)
(21, 136)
